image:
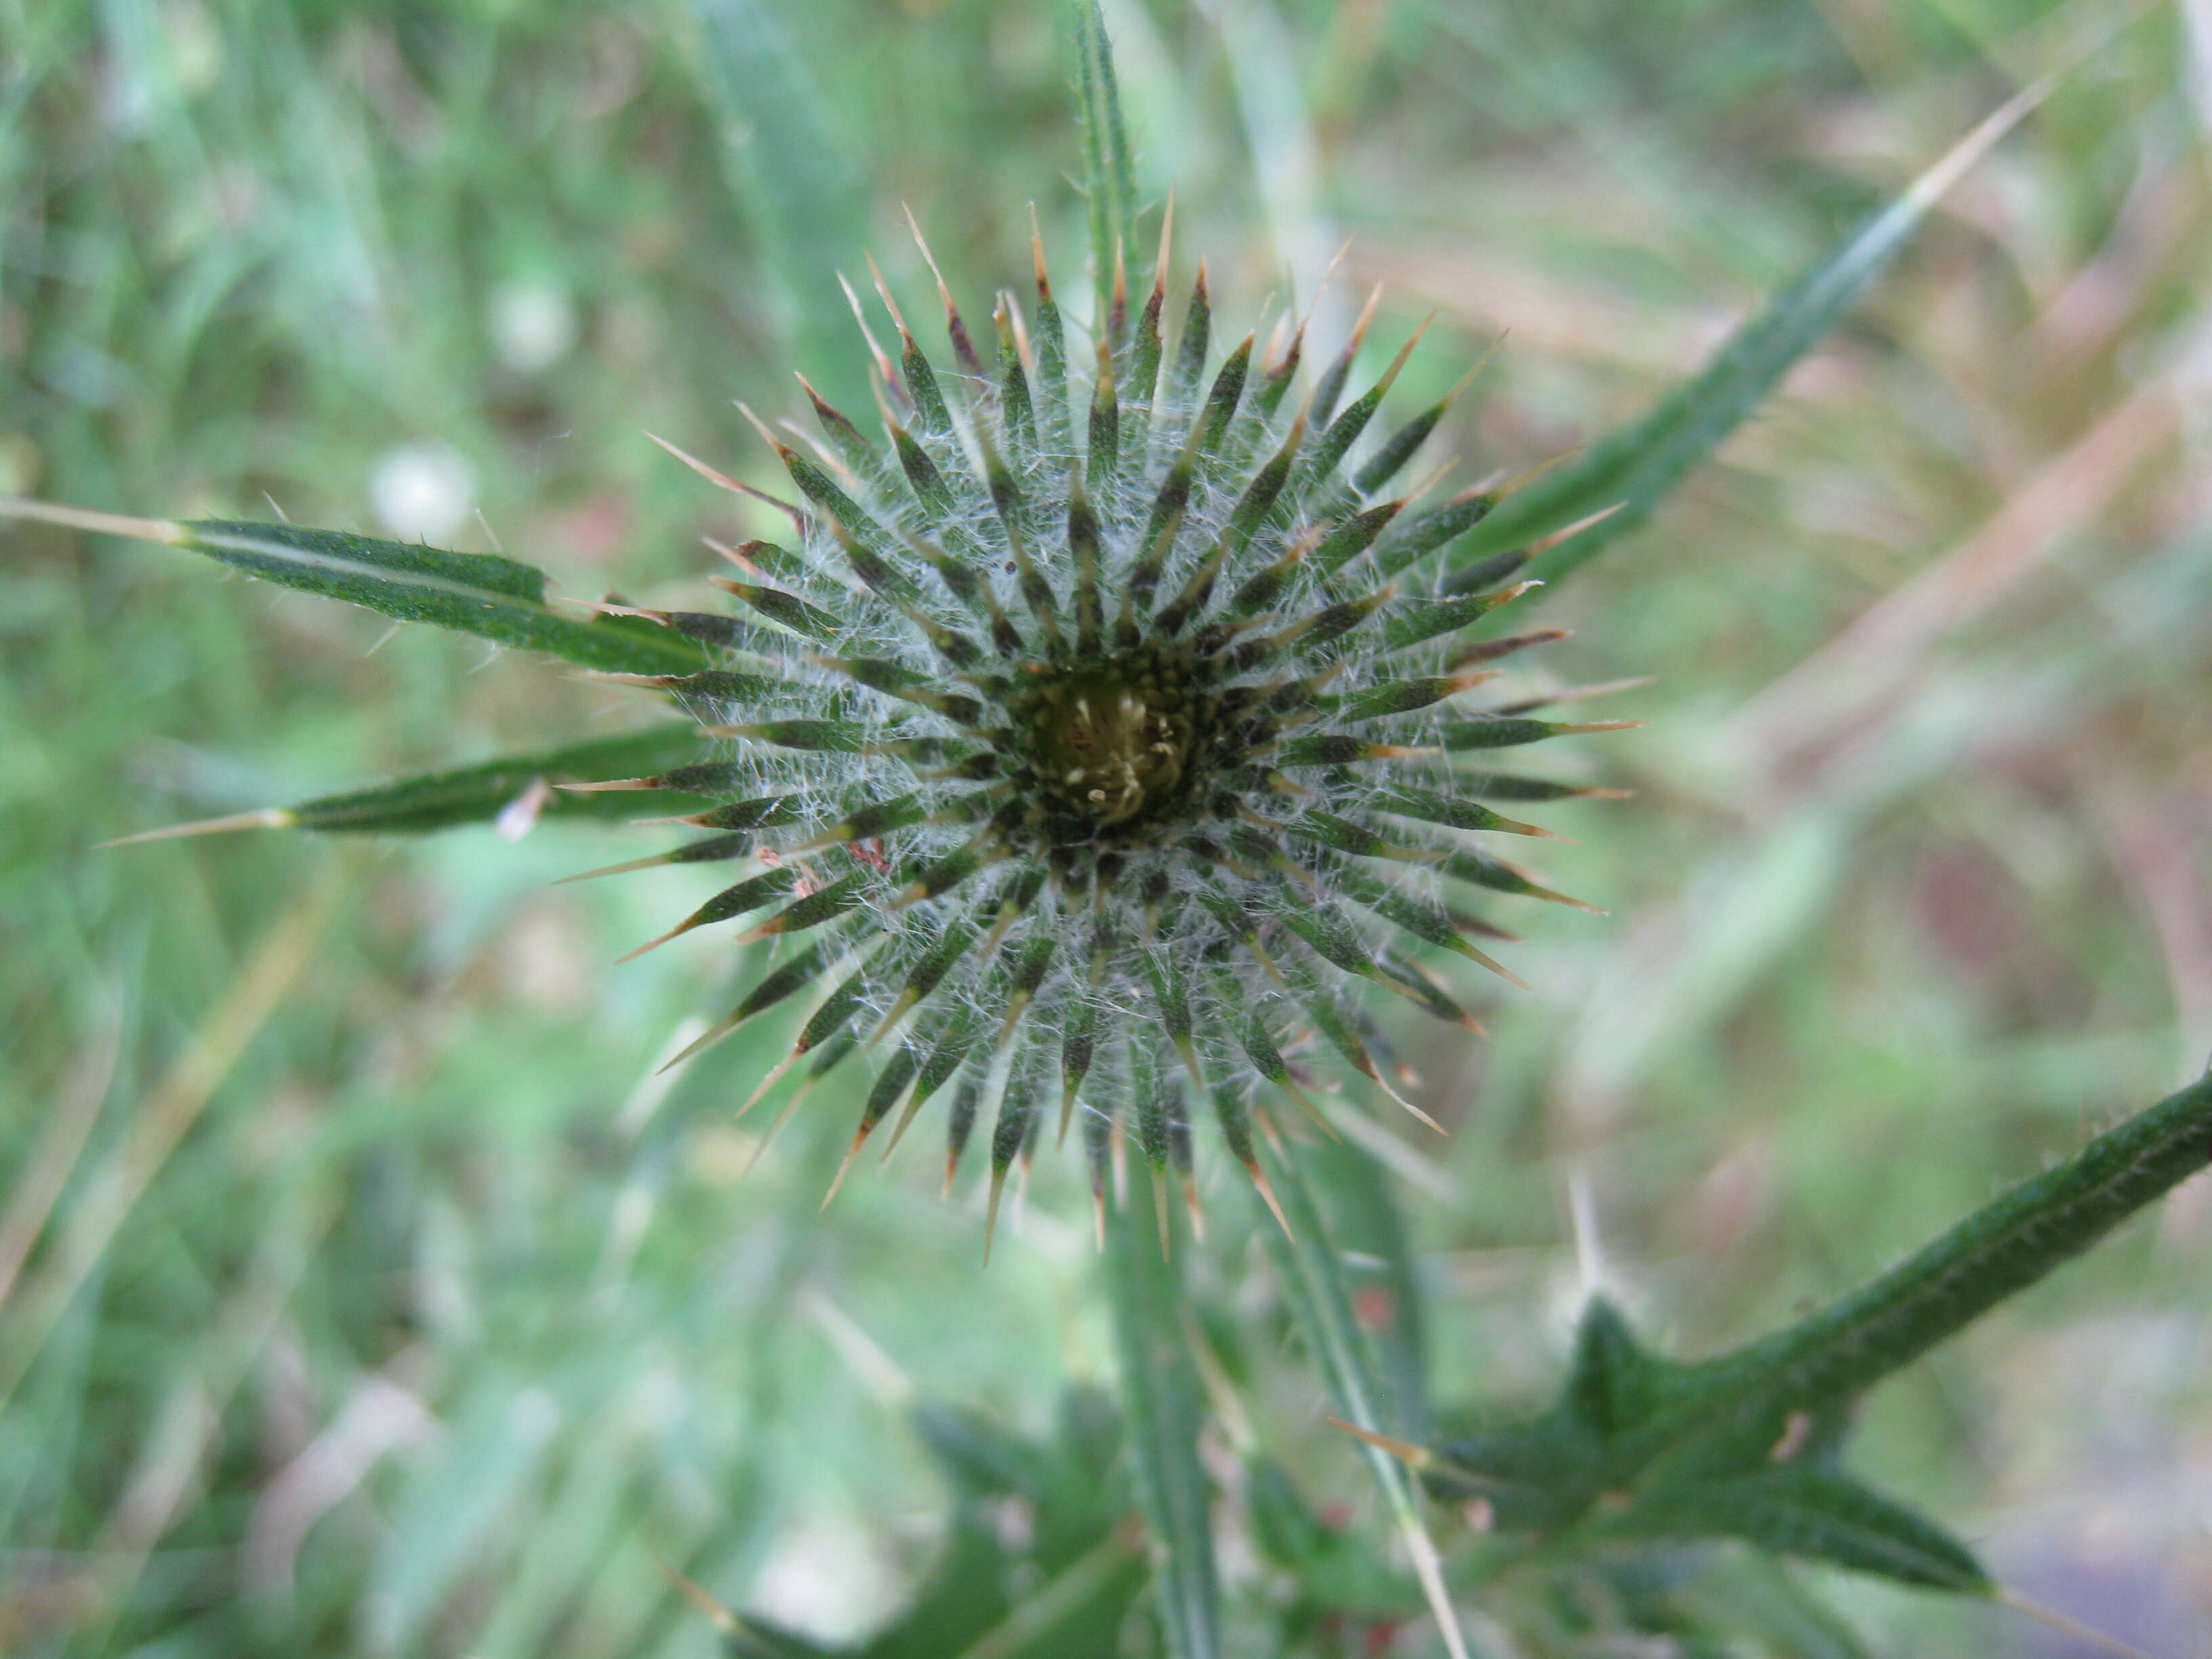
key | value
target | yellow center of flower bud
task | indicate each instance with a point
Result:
(1109, 743)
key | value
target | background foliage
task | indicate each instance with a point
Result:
(361, 1286)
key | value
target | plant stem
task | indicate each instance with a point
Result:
(2000, 1250)
(1161, 1398)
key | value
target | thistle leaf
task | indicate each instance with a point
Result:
(1639, 463)
(1610, 1383)
(478, 793)
(1110, 182)
(1798, 1509)
(492, 597)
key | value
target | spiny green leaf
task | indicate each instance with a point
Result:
(1610, 1383)
(1633, 467)
(473, 794)
(1815, 1512)
(482, 593)
(1110, 182)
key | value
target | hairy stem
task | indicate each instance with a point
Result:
(1999, 1250)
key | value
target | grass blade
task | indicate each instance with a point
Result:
(1321, 1307)
(1638, 465)
(1369, 1222)
(785, 159)
(1160, 1394)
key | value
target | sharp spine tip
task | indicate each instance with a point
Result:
(843, 1169)
(1413, 1456)
(768, 436)
(654, 944)
(1267, 1191)
(609, 784)
(267, 818)
(991, 1210)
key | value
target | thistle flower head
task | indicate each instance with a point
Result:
(1097, 727)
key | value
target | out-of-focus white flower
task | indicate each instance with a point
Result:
(828, 1576)
(532, 323)
(422, 492)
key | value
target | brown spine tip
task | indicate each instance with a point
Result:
(721, 1617)
(1167, 237)
(760, 1092)
(1020, 324)
(876, 351)
(822, 405)
(680, 928)
(608, 785)
(1528, 475)
(884, 293)
(621, 869)
(845, 1167)
(737, 556)
(783, 451)
(1474, 372)
(1545, 544)
(1193, 1208)
(1366, 316)
(710, 474)
(165, 531)
(1413, 1456)
(913, 1103)
(268, 817)
(1268, 1195)
(1311, 1107)
(1037, 256)
(1489, 650)
(1405, 353)
(991, 1209)
(1375, 1076)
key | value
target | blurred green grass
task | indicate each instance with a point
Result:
(365, 1293)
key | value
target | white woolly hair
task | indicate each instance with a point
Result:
(1115, 985)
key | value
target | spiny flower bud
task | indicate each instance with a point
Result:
(1096, 729)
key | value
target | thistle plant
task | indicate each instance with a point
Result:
(1106, 739)
(1098, 728)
